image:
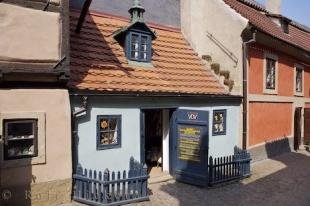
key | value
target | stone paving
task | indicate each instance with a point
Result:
(281, 181)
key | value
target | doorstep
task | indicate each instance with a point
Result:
(164, 177)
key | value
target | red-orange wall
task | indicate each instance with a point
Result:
(307, 82)
(269, 121)
(286, 66)
(256, 66)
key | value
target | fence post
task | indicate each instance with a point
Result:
(86, 189)
(106, 178)
(100, 192)
(78, 183)
(210, 170)
(124, 186)
(144, 181)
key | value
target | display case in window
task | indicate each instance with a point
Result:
(20, 138)
(108, 131)
(219, 122)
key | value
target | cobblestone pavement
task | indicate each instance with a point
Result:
(282, 181)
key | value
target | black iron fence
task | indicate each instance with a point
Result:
(224, 169)
(111, 188)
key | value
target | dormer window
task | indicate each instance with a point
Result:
(136, 38)
(140, 47)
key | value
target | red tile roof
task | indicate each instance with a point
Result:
(98, 61)
(297, 36)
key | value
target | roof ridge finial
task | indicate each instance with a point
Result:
(136, 3)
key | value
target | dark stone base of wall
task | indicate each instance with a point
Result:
(40, 194)
(272, 149)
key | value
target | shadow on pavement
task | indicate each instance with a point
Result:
(283, 181)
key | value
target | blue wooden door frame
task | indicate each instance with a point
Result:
(142, 136)
(191, 172)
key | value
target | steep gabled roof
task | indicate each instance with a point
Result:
(296, 36)
(98, 62)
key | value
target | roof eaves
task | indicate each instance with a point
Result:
(280, 39)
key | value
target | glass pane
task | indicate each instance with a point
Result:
(135, 42)
(143, 55)
(107, 138)
(299, 80)
(104, 124)
(113, 136)
(113, 124)
(20, 148)
(218, 122)
(20, 130)
(134, 54)
(270, 74)
(143, 43)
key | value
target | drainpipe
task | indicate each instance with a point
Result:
(74, 129)
(83, 15)
(245, 88)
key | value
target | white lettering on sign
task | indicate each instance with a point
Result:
(192, 115)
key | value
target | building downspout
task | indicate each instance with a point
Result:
(245, 88)
(76, 114)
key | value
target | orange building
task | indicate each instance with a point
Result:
(276, 74)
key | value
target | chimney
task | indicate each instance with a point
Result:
(274, 6)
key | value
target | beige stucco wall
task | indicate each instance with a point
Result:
(29, 34)
(56, 106)
(214, 16)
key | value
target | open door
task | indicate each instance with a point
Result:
(190, 146)
(297, 128)
(307, 126)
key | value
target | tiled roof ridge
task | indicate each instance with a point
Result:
(300, 36)
(254, 4)
(300, 26)
(127, 19)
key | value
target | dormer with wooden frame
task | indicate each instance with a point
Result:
(137, 37)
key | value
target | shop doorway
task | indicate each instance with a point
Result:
(153, 141)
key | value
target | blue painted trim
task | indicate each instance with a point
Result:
(119, 132)
(224, 112)
(140, 34)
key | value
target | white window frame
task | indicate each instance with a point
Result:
(303, 80)
(275, 58)
(41, 158)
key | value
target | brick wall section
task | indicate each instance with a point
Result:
(269, 121)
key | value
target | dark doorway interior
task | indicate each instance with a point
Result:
(153, 141)
(297, 128)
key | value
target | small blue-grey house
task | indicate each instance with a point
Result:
(139, 90)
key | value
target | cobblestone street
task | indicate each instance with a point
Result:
(283, 181)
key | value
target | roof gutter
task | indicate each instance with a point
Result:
(82, 16)
(245, 45)
(211, 96)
